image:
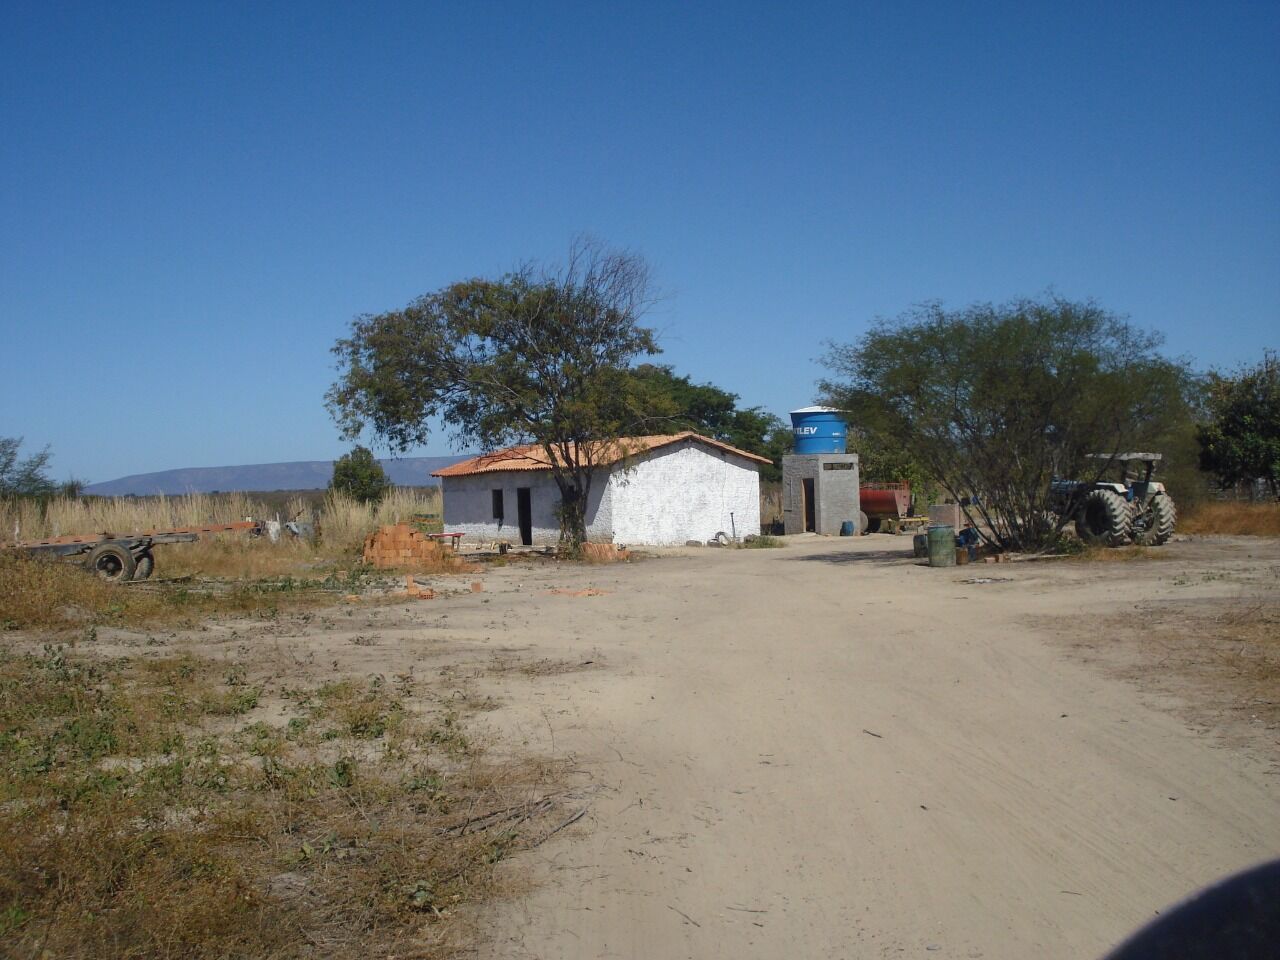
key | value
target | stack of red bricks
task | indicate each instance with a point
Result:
(404, 547)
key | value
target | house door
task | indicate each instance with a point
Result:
(810, 507)
(524, 514)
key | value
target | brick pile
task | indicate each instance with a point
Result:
(405, 547)
(414, 592)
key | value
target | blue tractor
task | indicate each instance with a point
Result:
(1110, 514)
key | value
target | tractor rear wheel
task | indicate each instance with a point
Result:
(1104, 519)
(1154, 525)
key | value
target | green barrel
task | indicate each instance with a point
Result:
(942, 546)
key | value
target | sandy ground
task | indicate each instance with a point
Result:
(827, 750)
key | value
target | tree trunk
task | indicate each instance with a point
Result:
(573, 517)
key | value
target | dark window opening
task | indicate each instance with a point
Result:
(497, 506)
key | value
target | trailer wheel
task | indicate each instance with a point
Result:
(146, 566)
(112, 563)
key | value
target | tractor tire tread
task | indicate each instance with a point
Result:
(1166, 517)
(1105, 519)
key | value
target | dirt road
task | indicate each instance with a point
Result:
(828, 751)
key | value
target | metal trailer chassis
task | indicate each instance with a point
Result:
(119, 559)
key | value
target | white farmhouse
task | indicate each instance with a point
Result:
(649, 490)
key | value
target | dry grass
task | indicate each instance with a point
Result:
(229, 557)
(1228, 655)
(182, 807)
(1234, 518)
(342, 524)
(345, 522)
(1219, 658)
(1126, 554)
(120, 515)
(145, 812)
(45, 594)
(604, 553)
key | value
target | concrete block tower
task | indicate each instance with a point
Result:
(820, 480)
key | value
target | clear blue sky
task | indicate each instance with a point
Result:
(196, 201)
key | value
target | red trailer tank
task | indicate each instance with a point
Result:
(881, 501)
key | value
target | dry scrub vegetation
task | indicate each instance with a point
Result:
(46, 594)
(177, 806)
(329, 560)
(151, 807)
(1233, 517)
(1221, 659)
(342, 522)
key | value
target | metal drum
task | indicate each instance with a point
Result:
(942, 546)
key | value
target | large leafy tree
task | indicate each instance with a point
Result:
(992, 401)
(1240, 444)
(713, 412)
(359, 475)
(540, 355)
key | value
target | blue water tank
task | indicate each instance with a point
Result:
(818, 430)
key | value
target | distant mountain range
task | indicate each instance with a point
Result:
(297, 475)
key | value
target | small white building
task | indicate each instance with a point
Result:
(650, 490)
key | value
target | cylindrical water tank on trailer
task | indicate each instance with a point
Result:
(886, 500)
(818, 430)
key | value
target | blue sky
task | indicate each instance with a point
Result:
(197, 199)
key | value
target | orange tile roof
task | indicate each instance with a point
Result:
(531, 456)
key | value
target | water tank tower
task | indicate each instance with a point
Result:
(820, 491)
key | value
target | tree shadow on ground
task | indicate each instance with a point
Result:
(898, 557)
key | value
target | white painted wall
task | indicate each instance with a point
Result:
(685, 492)
(677, 493)
(468, 506)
